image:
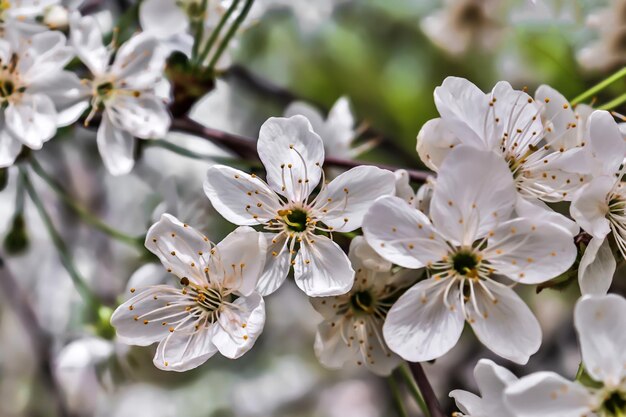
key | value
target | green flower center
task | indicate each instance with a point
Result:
(362, 301)
(295, 219)
(104, 90)
(465, 263)
(614, 405)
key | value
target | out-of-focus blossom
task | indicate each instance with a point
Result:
(492, 380)
(203, 317)
(125, 91)
(602, 335)
(37, 95)
(465, 23)
(293, 155)
(609, 50)
(473, 236)
(337, 130)
(352, 326)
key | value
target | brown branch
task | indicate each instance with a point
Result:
(40, 341)
(245, 147)
(426, 389)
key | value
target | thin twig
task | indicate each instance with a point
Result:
(245, 147)
(426, 389)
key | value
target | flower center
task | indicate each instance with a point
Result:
(470, 15)
(362, 301)
(7, 87)
(465, 263)
(104, 89)
(614, 405)
(297, 220)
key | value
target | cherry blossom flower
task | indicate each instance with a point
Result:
(337, 130)
(492, 380)
(352, 326)
(293, 156)
(599, 206)
(602, 335)
(215, 309)
(609, 50)
(468, 239)
(125, 91)
(37, 95)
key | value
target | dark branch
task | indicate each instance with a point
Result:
(426, 389)
(246, 147)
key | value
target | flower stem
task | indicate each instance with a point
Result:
(199, 30)
(83, 212)
(414, 389)
(395, 391)
(426, 389)
(229, 35)
(600, 86)
(180, 150)
(613, 103)
(66, 259)
(216, 32)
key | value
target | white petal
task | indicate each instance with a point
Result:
(590, 206)
(419, 327)
(292, 155)
(530, 252)
(116, 147)
(238, 260)
(464, 206)
(464, 107)
(139, 62)
(340, 123)
(86, 37)
(145, 116)
(67, 93)
(403, 186)
(322, 268)
(47, 54)
(606, 142)
(185, 349)
(506, 326)
(10, 146)
(139, 321)
(599, 321)
(311, 113)
(376, 357)
(277, 264)
(345, 200)
(240, 327)
(434, 142)
(541, 212)
(361, 254)
(402, 234)
(147, 275)
(469, 404)
(331, 348)
(547, 394)
(33, 120)
(163, 18)
(596, 268)
(559, 117)
(183, 251)
(492, 380)
(241, 198)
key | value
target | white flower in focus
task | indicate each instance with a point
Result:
(216, 308)
(293, 156)
(509, 122)
(468, 239)
(36, 94)
(352, 326)
(124, 90)
(492, 380)
(465, 23)
(609, 50)
(337, 130)
(599, 321)
(599, 207)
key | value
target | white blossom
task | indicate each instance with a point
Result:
(293, 156)
(469, 238)
(602, 335)
(352, 326)
(215, 309)
(124, 90)
(608, 50)
(492, 380)
(36, 94)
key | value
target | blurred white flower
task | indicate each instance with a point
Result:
(125, 91)
(602, 336)
(472, 237)
(293, 154)
(196, 321)
(465, 23)
(337, 130)
(37, 95)
(492, 380)
(609, 50)
(352, 326)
